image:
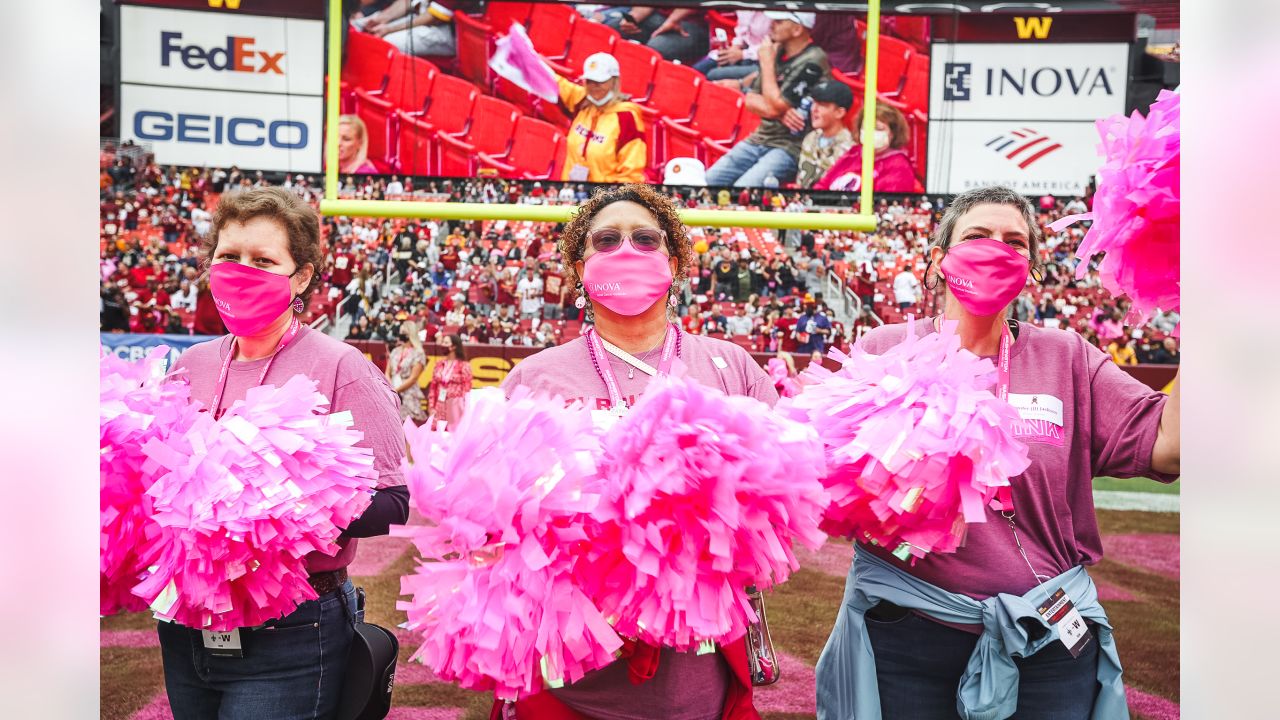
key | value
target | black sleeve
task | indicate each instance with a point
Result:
(390, 507)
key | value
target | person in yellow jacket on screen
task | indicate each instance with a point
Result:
(606, 137)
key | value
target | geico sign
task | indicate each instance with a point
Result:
(238, 55)
(218, 130)
(1048, 81)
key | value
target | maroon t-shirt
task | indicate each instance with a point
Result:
(1082, 417)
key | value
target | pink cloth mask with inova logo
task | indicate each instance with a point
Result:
(984, 275)
(627, 281)
(248, 298)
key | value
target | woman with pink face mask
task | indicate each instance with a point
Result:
(264, 259)
(628, 254)
(1010, 621)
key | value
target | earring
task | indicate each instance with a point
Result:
(673, 301)
(297, 305)
(581, 302)
(1037, 275)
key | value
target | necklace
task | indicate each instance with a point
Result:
(631, 371)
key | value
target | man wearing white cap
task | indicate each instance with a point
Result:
(790, 64)
(606, 137)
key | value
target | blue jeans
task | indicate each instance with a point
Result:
(748, 164)
(290, 671)
(919, 663)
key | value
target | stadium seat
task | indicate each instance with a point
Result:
(717, 116)
(914, 29)
(474, 41)
(728, 21)
(891, 69)
(713, 150)
(448, 112)
(500, 15)
(490, 132)
(675, 89)
(537, 151)
(587, 39)
(638, 64)
(409, 84)
(415, 141)
(550, 27)
(367, 61)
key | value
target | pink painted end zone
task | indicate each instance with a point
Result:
(157, 709)
(1151, 707)
(1157, 553)
(833, 559)
(129, 639)
(793, 693)
(1108, 593)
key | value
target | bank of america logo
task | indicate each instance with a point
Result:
(957, 78)
(1024, 146)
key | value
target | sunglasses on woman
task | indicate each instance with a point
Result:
(608, 239)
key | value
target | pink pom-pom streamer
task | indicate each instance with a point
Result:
(505, 495)
(137, 402)
(786, 385)
(242, 501)
(917, 444)
(1137, 209)
(707, 494)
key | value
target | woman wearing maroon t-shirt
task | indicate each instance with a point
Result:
(959, 621)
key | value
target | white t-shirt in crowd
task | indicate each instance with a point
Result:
(530, 292)
(395, 187)
(906, 287)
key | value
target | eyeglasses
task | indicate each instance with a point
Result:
(608, 239)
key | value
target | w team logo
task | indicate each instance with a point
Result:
(1024, 145)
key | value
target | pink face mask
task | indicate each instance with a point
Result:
(627, 281)
(984, 275)
(248, 298)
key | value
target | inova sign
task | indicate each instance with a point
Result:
(1067, 81)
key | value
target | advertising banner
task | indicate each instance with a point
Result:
(134, 347)
(223, 89)
(212, 128)
(1033, 158)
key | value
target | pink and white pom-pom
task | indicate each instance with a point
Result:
(136, 402)
(505, 495)
(786, 385)
(707, 494)
(917, 444)
(1137, 209)
(243, 500)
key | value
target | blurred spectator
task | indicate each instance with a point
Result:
(530, 290)
(417, 27)
(812, 329)
(450, 383)
(606, 138)
(892, 167)
(829, 139)
(676, 33)
(906, 289)
(735, 63)
(405, 364)
(790, 64)
(1122, 352)
(353, 146)
(837, 34)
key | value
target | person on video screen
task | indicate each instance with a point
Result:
(829, 138)
(606, 137)
(790, 65)
(893, 170)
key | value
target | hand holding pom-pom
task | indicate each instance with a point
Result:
(707, 494)
(916, 442)
(244, 499)
(505, 494)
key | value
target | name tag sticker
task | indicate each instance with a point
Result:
(1038, 407)
(720, 363)
(1060, 612)
(223, 644)
(579, 173)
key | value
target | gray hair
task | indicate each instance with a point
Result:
(991, 195)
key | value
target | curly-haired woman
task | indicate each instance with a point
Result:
(627, 252)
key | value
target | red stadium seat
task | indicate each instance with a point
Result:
(367, 61)
(474, 41)
(500, 15)
(914, 29)
(717, 116)
(415, 142)
(587, 39)
(891, 70)
(536, 152)
(409, 84)
(637, 64)
(728, 21)
(550, 27)
(675, 89)
(448, 112)
(490, 132)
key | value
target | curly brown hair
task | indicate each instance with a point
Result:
(300, 222)
(573, 240)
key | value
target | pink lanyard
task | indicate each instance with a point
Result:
(598, 354)
(294, 327)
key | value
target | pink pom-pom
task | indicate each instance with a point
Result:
(505, 495)
(786, 385)
(242, 501)
(916, 442)
(707, 494)
(1137, 209)
(136, 403)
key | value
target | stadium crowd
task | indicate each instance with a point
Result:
(500, 283)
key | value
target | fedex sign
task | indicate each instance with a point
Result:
(237, 55)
